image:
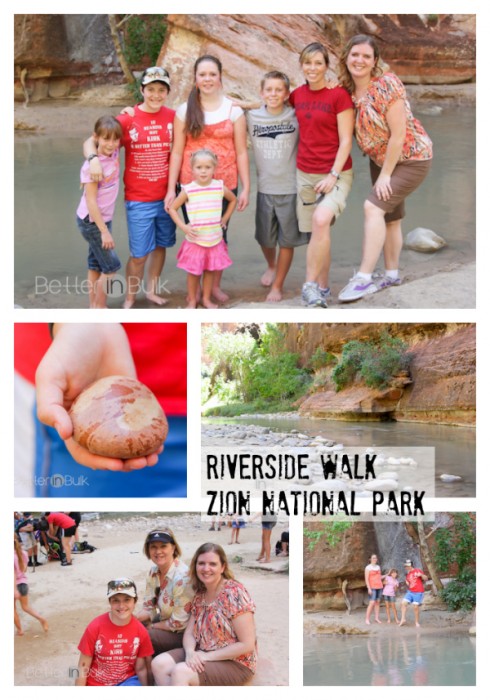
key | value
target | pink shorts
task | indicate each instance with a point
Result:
(196, 259)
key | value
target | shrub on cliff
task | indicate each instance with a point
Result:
(375, 363)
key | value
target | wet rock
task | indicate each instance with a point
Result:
(424, 240)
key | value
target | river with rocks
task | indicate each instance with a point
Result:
(403, 450)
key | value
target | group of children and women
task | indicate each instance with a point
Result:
(196, 157)
(195, 626)
(384, 587)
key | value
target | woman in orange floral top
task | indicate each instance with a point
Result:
(168, 595)
(219, 641)
(400, 153)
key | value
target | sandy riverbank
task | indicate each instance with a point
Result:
(69, 597)
(431, 622)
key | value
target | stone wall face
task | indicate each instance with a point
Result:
(441, 387)
(64, 53)
(418, 49)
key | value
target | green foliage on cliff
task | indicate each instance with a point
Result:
(373, 362)
(257, 371)
(321, 359)
(456, 548)
(331, 532)
(143, 38)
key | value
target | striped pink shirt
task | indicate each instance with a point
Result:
(203, 206)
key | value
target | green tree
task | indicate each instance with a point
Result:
(456, 549)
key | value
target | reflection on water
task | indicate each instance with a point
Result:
(454, 446)
(395, 660)
(47, 242)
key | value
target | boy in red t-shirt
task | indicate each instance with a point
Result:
(414, 578)
(115, 646)
(147, 141)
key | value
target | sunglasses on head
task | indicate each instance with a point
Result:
(120, 584)
(156, 72)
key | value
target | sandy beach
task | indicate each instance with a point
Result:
(69, 597)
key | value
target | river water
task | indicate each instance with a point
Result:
(48, 246)
(448, 660)
(454, 446)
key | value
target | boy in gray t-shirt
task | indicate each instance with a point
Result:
(274, 133)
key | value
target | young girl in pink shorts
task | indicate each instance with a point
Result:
(391, 583)
(203, 252)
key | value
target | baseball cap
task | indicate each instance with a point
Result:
(408, 562)
(122, 585)
(155, 74)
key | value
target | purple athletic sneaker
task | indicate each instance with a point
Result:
(384, 281)
(357, 288)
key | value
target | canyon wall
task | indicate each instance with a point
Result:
(421, 49)
(329, 567)
(61, 55)
(440, 388)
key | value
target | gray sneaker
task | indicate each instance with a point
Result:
(357, 288)
(326, 294)
(312, 296)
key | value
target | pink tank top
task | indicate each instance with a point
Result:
(218, 138)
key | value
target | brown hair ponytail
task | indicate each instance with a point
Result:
(194, 117)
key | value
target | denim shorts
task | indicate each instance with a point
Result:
(23, 589)
(99, 259)
(414, 598)
(149, 227)
(376, 594)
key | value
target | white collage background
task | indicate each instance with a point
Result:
(480, 315)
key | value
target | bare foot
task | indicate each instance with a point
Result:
(192, 305)
(155, 299)
(128, 303)
(268, 277)
(401, 623)
(198, 295)
(20, 633)
(388, 621)
(378, 621)
(45, 625)
(274, 295)
(220, 295)
(417, 624)
(367, 622)
(208, 304)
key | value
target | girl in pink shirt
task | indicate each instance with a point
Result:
(21, 589)
(389, 593)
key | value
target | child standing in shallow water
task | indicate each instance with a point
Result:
(96, 210)
(389, 593)
(203, 252)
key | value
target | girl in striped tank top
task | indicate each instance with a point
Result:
(203, 252)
